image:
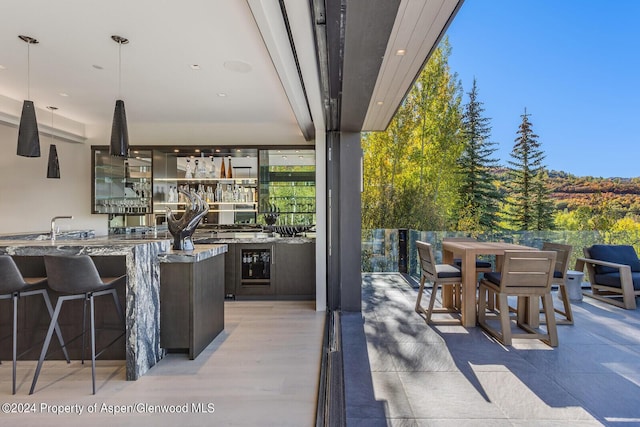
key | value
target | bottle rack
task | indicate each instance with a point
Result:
(222, 194)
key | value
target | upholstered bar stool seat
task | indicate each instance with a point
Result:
(76, 277)
(14, 286)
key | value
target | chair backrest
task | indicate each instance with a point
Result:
(427, 260)
(619, 254)
(563, 253)
(72, 274)
(10, 277)
(526, 271)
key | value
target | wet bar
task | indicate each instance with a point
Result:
(140, 259)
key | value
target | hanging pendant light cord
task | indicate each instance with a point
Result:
(28, 71)
(120, 70)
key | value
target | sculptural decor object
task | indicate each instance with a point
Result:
(182, 229)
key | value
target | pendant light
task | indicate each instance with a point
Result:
(28, 138)
(53, 167)
(119, 135)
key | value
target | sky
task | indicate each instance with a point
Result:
(573, 64)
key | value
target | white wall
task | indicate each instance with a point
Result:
(28, 199)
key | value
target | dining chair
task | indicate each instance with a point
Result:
(525, 275)
(439, 275)
(563, 253)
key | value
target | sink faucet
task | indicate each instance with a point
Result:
(53, 225)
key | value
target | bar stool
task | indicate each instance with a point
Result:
(76, 277)
(14, 286)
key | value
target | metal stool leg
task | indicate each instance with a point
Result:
(15, 337)
(47, 341)
(93, 344)
(47, 302)
(84, 326)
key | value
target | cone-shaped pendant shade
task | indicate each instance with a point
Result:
(119, 134)
(53, 167)
(28, 138)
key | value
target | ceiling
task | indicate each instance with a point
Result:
(239, 93)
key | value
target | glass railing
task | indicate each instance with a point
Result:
(381, 247)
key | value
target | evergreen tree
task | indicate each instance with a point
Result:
(544, 206)
(479, 196)
(526, 196)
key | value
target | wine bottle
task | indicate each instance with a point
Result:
(223, 173)
(229, 172)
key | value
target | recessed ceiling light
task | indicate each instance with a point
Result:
(2, 67)
(194, 66)
(237, 66)
(64, 94)
(217, 150)
(176, 151)
(197, 150)
(98, 67)
(400, 52)
(380, 102)
(222, 94)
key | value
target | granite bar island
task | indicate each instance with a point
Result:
(140, 259)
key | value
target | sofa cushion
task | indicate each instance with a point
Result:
(620, 254)
(613, 280)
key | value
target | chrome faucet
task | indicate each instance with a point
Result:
(54, 230)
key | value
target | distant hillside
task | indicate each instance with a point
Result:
(571, 192)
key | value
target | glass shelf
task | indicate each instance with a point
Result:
(245, 181)
(121, 185)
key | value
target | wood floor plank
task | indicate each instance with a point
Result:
(263, 369)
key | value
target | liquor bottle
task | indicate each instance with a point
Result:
(212, 170)
(201, 167)
(188, 172)
(218, 193)
(223, 173)
(229, 172)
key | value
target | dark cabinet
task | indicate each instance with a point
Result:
(296, 264)
(271, 270)
(191, 304)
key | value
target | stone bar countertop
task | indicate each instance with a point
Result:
(242, 237)
(141, 257)
(46, 235)
(201, 252)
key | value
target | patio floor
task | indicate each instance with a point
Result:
(400, 371)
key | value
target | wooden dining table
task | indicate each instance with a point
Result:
(468, 251)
